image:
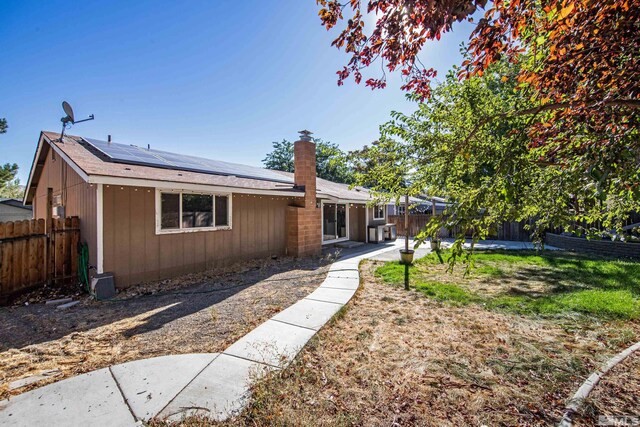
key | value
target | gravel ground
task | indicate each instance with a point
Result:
(196, 313)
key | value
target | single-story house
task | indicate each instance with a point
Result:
(148, 214)
(14, 210)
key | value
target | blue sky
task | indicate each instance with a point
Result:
(219, 79)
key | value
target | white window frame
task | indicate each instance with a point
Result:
(341, 239)
(160, 230)
(384, 212)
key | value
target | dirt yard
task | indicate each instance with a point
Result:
(192, 314)
(396, 358)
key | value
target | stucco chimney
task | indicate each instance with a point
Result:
(304, 227)
(304, 166)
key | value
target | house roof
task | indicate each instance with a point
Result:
(326, 189)
(412, 200)
(342, 191)
(96, 168)
(14, 202)
(437, 199)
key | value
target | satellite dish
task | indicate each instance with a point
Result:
(68, 111)
(69, 119)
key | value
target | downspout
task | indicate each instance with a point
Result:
(366, 223)
(99, 229)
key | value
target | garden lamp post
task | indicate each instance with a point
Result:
(406, 223)
(406, 255)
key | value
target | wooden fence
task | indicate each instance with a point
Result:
(30, 256)
(513, 231)
(416, 223)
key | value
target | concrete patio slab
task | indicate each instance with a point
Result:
(394, 254)
(371, 250)
(272, 343)
(341, 283)
(148, 385)
(219, 391)
(89, 399)
(350, 244)
(326, 294)
(499, 244)
(308, 313)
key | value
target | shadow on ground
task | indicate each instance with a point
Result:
(563, 273)
(37, 323)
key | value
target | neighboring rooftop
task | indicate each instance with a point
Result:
(14, 202)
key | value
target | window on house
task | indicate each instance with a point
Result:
(222, 211)
(400, 210)
(187, 211)
(378, 212)
(170, 207)
(197, 210)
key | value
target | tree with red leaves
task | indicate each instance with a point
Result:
(590, 47)
(555, 134)
(582, 57)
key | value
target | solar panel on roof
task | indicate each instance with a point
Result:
(131, 154)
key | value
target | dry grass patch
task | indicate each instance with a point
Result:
(399, 358)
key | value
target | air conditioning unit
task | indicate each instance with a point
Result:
(103, 286)
(376, 233)
(390, 232)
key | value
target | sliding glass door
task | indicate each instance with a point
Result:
(334, 221)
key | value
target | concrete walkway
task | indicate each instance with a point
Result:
(215, 385)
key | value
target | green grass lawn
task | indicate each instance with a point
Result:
(529, 283)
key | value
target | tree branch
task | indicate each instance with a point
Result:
(630, 103)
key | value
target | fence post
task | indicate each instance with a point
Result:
(50, 259)
(75, 239)
(13, 246)
(59, 249)
(41, 230)
(24, 249)
(66, 249)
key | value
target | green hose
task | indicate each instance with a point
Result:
(83, 266)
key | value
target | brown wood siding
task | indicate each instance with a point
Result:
(357, 227)
(376, 221)
(80, 198)
(135, 253)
